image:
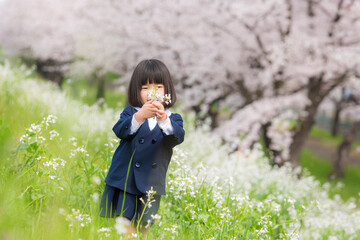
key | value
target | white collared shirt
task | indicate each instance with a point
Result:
(165, 125)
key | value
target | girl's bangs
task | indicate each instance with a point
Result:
(153, 77)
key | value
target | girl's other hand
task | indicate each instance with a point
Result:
(148, 110)
(160, 113)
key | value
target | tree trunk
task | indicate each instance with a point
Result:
(52, 70)
(214, 119)
(100, 87)
(338, 108)
(343, 151)
(301, 135)
(272, 154)
(314, 88)
(335, 123)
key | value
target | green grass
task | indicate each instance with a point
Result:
(330, 140)
(317, 166)
(31, 200)
(320, 169)
(85, 91)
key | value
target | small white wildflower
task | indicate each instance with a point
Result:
(155, 96)
(73, 141)
(96, 180)
(50, 119)
(122, 225)
(155, 216)
(41, 139)
(95, 197)
(47, 163)
(104, 229)
(61, 211)
(53, 134)
(148, 223)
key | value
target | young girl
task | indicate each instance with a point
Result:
(148, 133)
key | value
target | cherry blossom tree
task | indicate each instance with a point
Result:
(352, 111)
(40, 31)
(312, 51)
(255, 69)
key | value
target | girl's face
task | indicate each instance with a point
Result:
(145, 89)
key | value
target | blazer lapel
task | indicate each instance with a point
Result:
(145, 129)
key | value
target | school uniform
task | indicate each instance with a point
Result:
(150, 145)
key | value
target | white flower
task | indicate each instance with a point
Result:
(53, 134)
(155, 216)
(155, 96)
(50, 119)
(95, 197)
(73, 141)
(122, 225)
(104, 229)
(41, 139)
(96, 180)
(61, 211)
(78, 150)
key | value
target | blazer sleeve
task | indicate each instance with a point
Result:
(122, 127)
(178, 135)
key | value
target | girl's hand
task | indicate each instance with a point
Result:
(148, 110)
(160, 112)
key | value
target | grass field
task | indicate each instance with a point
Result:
(55, 153)
(321, 167)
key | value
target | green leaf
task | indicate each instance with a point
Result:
(203, 217)
(22, 146)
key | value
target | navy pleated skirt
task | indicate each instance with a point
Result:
(111, 205)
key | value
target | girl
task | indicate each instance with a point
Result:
(148, 133)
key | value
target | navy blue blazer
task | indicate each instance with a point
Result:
(152, 154)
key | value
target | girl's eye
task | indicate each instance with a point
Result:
(159, 87)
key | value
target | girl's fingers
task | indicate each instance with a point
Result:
(151, 108)
(155, 104)
(158, 105)
(160, 112)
